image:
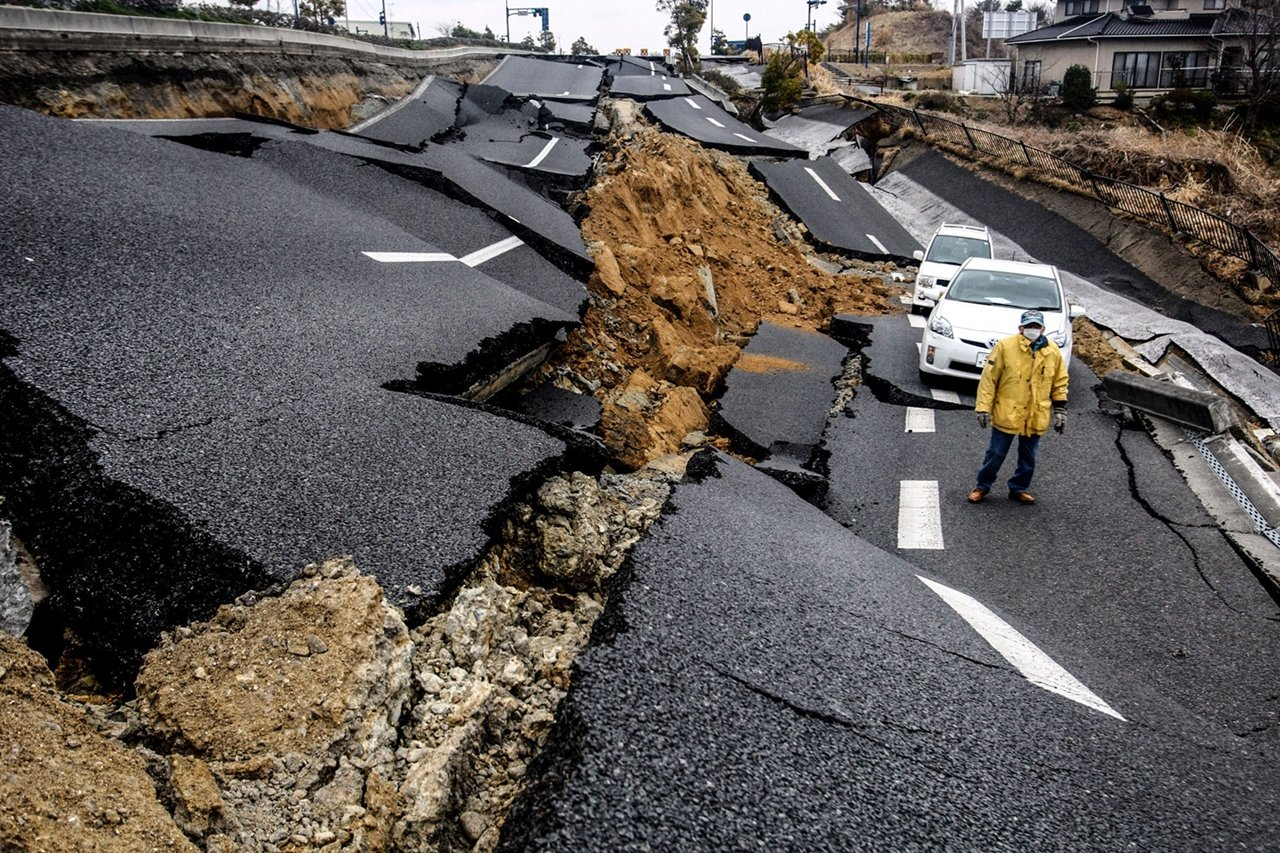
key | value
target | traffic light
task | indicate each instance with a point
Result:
(382, 18)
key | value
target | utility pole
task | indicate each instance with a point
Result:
(857, 33)
(385, 28)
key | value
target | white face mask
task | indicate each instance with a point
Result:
(1031, 333)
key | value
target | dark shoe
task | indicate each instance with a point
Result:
(1021, 498)
(976, 495)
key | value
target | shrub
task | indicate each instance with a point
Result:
(938, 101)
(1124, 97)
(1077, 88)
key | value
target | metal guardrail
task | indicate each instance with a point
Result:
(1201, 225)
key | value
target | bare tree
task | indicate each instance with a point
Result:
(1258, 23)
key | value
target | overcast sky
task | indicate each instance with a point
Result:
(605, 24)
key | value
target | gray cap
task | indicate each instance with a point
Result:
(1032, 318)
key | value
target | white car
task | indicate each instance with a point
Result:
(983, 304)
(950, 246)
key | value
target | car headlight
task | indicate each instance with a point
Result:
(940, 326)
(926, 280)
(1059, 338)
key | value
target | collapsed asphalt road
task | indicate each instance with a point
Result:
(760, 672)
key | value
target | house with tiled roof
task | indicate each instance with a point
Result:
(1149, 48)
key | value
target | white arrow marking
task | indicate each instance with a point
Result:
(919, 420)
(822, 183)
(542, 155)
(1037, 667)
(919, 515)
(488, 253)
(410, 257)
(879, 245)
(475, 259)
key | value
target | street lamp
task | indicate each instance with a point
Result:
(813, 4)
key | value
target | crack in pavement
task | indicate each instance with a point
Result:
(836, 720)
(1173, 527)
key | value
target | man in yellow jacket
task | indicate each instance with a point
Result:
(1023, 389)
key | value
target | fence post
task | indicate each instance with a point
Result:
(1026, 153)
(968, 136)
(1164, 202)
(916, 115)
(1093, 182)
(1252, 242)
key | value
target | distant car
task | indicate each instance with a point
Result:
(950, 246)
(983, 304)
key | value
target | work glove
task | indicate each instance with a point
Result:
(984, 419)
(1059, 421)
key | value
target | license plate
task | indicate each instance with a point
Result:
(981, 359)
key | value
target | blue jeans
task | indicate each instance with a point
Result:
(998, 449)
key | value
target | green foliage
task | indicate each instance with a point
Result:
(723, 82)
(1186, 106)
(1124, 97)
(461, 32)
(547, 41)
(1077, 88)
(687, 18)
(806, 42)
(528, 43)
(581, 48)
(782, 82)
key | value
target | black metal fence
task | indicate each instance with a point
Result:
(1208, 228)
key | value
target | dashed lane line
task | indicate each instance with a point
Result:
(488, 253)
(691, 102)
(916, 320)
(741, 136)
(713, 121)
(1036, 666)
(919, 420)
(818, 180)
(879, 245)
(542, 155)
(919, 515)
(945, 395)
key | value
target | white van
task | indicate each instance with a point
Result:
(951, 246)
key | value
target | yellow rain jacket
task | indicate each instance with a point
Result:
(1019, 387)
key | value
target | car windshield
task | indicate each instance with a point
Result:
(954, 250)
(1014, 289)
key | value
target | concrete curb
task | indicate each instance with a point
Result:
(1171, 401)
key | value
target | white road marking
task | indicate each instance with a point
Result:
(879, 245)
(919, 420)
(1037, 667)
(475, 259)
(943, 395)
(713, 121)
(666, 87)
(691, 102)
(652, 70)
(542, 155)
(740, 136)
(919, 515)
(822, 183)
(488, 253)
(916, 320)
(565, 92)
(904, 299)
(410, 257)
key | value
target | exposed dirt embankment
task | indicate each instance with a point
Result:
(690, 256)
(324, 92)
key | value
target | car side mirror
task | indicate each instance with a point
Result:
(918, 255)
(1074, 311)
(934, 293)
